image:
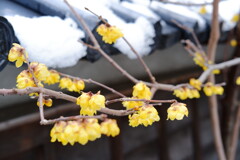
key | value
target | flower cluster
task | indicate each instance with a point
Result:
(17, 53)
(110, 128)
(177, 111)
(141, 91)
(132, 104)
(109, 34)
(90, 103)
(71, 85)
(53, 77)
(146, 115)
(46, 102)
(195, 83)
(40, 71)
(185, 92)
(76, 131)
(210, 89)
(25, 79)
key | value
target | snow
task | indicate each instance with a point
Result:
(136, 34)
(49, 40)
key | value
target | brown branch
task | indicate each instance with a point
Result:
(213, 105)
(222, 65)
(41, 109)
(191, 31)
(152, 78)
(93, 82)
(234, 137)
(72, 118)
(97, 46)
(143, 100)
(59, 95)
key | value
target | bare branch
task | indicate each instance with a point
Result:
(59, 95)
(72, 118)
(222, 65)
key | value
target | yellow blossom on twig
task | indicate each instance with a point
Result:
(184, 93)
(46, 102)
(141, 91)
(177, 111)
(146, 115)
(132, 104)
(76, 131)
(90, 103)
(195, 83)
(109, 34)
(110, 128)
(210, 89)
(16, 53)
(53, 78)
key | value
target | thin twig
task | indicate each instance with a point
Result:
(191, 31)
(97, 46)
(152, 78)
(93, 82)
(60, 95)
(72, 118)
(143, 100)
(222, 65)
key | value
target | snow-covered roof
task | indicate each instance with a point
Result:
(50, 33)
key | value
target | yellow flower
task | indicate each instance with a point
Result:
(25, 79)
(235, 18)
(238, 81)
(93, 129)
(77, 86)
(65, 83)
(144, 116)
(210, 89)
(71, 85)
(109, 34)
(110, 128)
(184, 93)
(80, 131)
(90, 103)
(203, 10)
(233, 43)
(16, 53)
(141, 91)
(177, 111)
(47, 102)
(195, 83)
(132, 104)
(199, 60)
(97, 101)
(40, 71)
(53, 78)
